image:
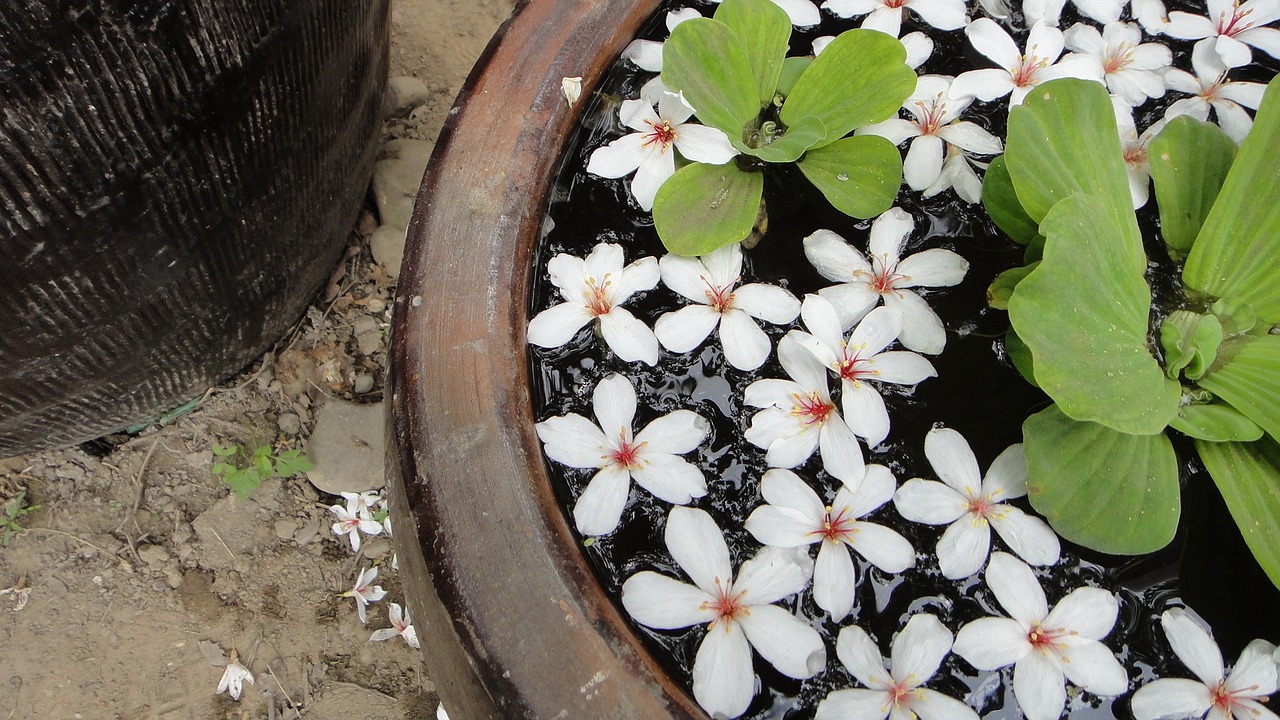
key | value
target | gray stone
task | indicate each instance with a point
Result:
(290, 424)
(308, 532)
(368, 335)
(404, 93)
(286, 528)
(387, 245)
(396, 179)
(363, 384)
(346, 447)
(153, 554)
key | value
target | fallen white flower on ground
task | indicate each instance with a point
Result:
(234, 677)
(365, 592)
(401, 625)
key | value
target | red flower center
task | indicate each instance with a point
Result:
(660, 133)
(811, 409)
(719, 298)
(1118, 59)
(1046, 640)
(598, 302)
(728, 605)
(1029, 66)
(627, 456)
(1233, 23)
(837, 528)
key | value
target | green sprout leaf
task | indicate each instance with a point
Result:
(706, 61)
(859, 79)
(792, 69)
(789, 146)
(1190, 342)
(1249, 380)
(764, 30)
(1001, 289)
(1189, 161)
(1237, 317)
(1001, 203)
(1248, 476)
(703, 207)
(1242, 231)
(1020, 356)
(1083, 312)
(859, 175)
(1110, 491)
(1215, 422)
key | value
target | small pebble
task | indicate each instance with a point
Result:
(286, 528)
(290, 424)
(363, 384)
(404, 93)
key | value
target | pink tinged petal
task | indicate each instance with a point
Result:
(929, 502)
(1186, 26)
(1026, 535)
(1087, 612)
(557, 325)
(864, 498)
(790, 645)
(920, 648)
(854, 703)
(1265, 39)
(643, 274)
(723, 680)
(833, 580)
(785, 489)
(650, 175)
(620, 157)
(923, 163)
(840, 452)
(895, 130)
(1171, 698)
(1017, 589)
(628, 338)
(933, 705)
(704, 144)
(991, 40)
(850, 8)
(687, 276)
(882, 547)
(676, 432)
(614, 404)
(834, 258)
(644, 54)
(781, 527)
(888, 233)
(861, 657)
(949, 455)
(767, 302)
(963, 547)
(1193, 645)
(922, 329)
(1091, 665)
(801, 365)
(902, 368)
(971, 137)
(664, 603)
(1254, 674)
(852, 301)
(986, 84)
(746, 346)
(685, 329)
(599, 507)
(772, 574)
(698, 547)
(865, 412)
(802, 13)
(573, 440)
(942, 14)
(1039, 688)
(884, 19)
(670, 479)
(992, 643)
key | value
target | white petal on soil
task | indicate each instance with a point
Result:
(723, 681)
(558, 324)
(664, 603)
(790, 645)
(599, 507)
(697, 545)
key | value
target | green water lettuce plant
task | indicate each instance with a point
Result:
(1124, 371)
(733, 70)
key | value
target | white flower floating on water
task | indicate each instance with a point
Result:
(799, 417)
(650, 151)
(1132, 70)
(972, 504)
(861, 358)
(712, 282)
(886, 15)
(1218, 695)
(933, 126)
(647, 54)
(895, 691)
(1042, 645)
(1212, 91)
(365, 592)
(1134, 147)
(400, 625)
(795, 517)
(957, 173)
(1018, 72)
(1050, 11)
(739, 613)
(1230, 29)
(234, 677)
(886, 276)
(595, 289)
(649, 457)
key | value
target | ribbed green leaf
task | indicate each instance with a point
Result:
(1215, 422)
(1020, 356)
(706, 61)
(1248, 476)
(703, 207)
(1189, 161)
(764, 30)
(792, 69)
(1249, 379)
(1106, 490)
(1001, 203)
(859, 175)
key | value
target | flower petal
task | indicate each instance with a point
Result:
(628, 338)
(1171, 698)
(929, 502)
(952, 459)
(936, 267)
(620, 157)
(985, 84)
(852, 301)
(963, 547)
(790, 645)
(678, 432)
(670, 478)
(599, 507)
(781, 527)
(614, 403)
(865, 412)
(1193, 645)
(1092, 666)
(1018, 590)
(746, 346)
(933, 705)
(687, 276)
(834, 579)
(1029, 537)
(853, 703)
(664, 603)
(557, 325)
(700, 143)
(1254, 674)
(834, 258)
(841, 454)
(785, 489)
(991, 643)
(901, 368)
(876, 489)
(861, 657)
(772, 574)
(991, 40)
(1038, 686)
(644, 54)
(572, 440)
(882, 547)
(942, 14)
(922, 329)
(923, 163)
(685, 329)
(723, 680)
(767, 302)
(920, 648)
(697, 545)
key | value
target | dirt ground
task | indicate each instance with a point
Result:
(136, 570)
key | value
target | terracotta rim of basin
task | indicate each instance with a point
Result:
(512, 621)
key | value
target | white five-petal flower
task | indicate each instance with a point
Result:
(795, 516)
(799, 417)
(887, 276)
(739, 612)
(957, 173)
(365, 592)
(595, 289)
(1018, 72)
(353, 520)
(1131, 69)
(886, 15)
(1230, 29)
(1042, 645)
(1216, 693)
(234, 677)
(1134, 147)
(401, 625)
(649, 457)
(712, 283)
(972, 504)
(650, 151)
(1211, 90)
(895, 691)
(859, 358)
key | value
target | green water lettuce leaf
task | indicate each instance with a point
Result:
(1234, 254)
(791, 144)
(1190, 342)
(764, 30)
(1249, 379)
(1189, 161)
(1020, 356)
(1215, 422)
(1083, 312)
(1063, 140)
(792, 69)
(1001, 289)
(859, 79)
(1248, 476)
(859, 175)
(1001, 203)
(1237, 317)
(703, 207)
(705, 60)
(1110, 491)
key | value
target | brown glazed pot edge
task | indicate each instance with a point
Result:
(512, 622)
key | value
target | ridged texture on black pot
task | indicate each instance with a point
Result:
(177, 178)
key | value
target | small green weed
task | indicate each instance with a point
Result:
(15, 511)
(262, 464)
